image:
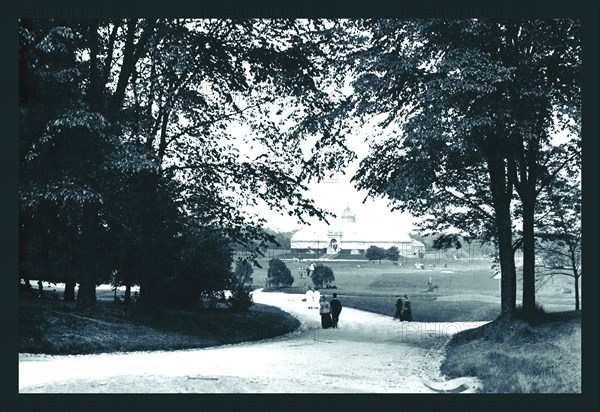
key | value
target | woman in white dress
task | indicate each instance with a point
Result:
(316, 298)
(309, 298)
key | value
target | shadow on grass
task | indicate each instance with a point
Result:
(53, 327)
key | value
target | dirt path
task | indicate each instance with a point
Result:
(368, 353)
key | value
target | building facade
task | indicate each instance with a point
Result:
(346, 235)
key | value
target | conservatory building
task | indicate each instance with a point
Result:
(346, 235)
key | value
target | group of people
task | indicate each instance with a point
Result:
(308, 271)
(329, 310)
(403, 310)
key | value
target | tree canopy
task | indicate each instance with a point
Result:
(464, 114)
(137, 131)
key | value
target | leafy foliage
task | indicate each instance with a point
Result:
(559, 233)
(446, 241)
(278, 274)
(322, 276)
(392, 254)
(466, 109)
(375, 253)
(204, 265)
(131, 129)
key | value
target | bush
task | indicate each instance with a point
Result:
(241, 299)
(243, 272)
(322, 275)
(278, 274)
(375, 253)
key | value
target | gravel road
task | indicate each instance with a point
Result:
(369, 353)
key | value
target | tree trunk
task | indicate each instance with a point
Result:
(502, 188)
(127, 293)
(151, 288)
(528, 202)
(86, 297)
(94, 92)
(69, 295)
(576, 292)
(151, 296)
(508, 282)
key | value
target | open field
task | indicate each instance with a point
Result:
(465, 289)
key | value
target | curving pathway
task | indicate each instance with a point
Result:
(369, 353)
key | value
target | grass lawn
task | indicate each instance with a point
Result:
(465, 290)
(53, 327)
(514, 356)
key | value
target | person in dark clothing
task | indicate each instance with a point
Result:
(399, 306)
(406, 313)
(336, 308)
(325, 312)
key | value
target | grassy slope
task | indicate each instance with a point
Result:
(51, 326)
(517, 356)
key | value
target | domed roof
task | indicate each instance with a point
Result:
(348, 216)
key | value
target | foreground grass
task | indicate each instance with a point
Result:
(53, 327)
(515, 356)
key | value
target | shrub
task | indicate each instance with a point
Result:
(278, 274)
(322, 275)
(243, 272)
(392, 254)
(375, 253)
(241, 299)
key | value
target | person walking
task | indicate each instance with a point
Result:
(407, 311)
(325, 312)
(336, 308)
(399, 307)
(309, 298)
(316, 298)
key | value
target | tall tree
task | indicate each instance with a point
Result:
(189, 116)
(559, 231)
(545, 58)
(452, 99)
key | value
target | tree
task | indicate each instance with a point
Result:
(154, 105)
(204, 264)
(393, 254)
(376, 253)
(322, 275)
(559, 233)
(278, 274)
(546, 60)
(243, 272)
(443, 242)
(455, 99)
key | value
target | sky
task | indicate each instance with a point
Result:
(335, 196)
(338, 193)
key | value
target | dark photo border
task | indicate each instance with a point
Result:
(11, 11)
